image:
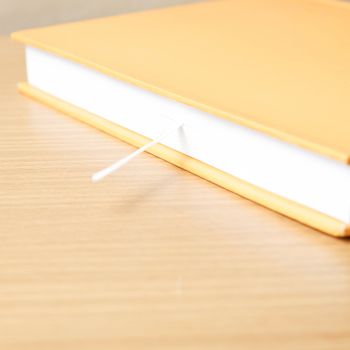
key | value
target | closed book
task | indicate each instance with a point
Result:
(261, 89)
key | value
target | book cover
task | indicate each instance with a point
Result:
(274, 66)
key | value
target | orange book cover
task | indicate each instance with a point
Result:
(196, 63)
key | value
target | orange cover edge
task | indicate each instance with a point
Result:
(276, 203)
(21, 36)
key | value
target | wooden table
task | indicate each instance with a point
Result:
(152, 258)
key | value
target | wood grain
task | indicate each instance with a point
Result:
(152, 258)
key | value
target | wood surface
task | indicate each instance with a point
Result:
(151, 258)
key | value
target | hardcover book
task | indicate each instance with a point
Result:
(261, 87)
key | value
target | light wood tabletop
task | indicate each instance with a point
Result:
(153, 257)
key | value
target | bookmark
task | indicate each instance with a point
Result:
(120, 163)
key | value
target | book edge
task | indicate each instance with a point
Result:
(341, 156)
(267, 199)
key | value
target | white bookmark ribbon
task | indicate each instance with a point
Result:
(120, 163)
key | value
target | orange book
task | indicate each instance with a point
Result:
(262, 90)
